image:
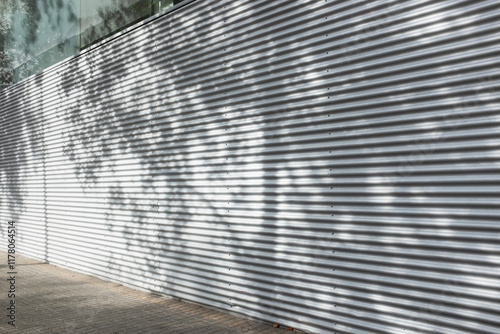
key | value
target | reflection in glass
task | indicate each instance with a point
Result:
(100, 18)
(35, 34)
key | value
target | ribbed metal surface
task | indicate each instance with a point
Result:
(332, 166)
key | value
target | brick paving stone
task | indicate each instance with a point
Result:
(50, 299)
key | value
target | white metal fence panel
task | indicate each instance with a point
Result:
(328, 165)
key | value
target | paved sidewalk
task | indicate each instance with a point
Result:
(54, 300)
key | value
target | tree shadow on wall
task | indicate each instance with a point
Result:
(23, 161)
(197, 193)
(111, 144)
(218, 185)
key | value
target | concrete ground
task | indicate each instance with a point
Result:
(54, 300)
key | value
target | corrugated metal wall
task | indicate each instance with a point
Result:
(328, 165)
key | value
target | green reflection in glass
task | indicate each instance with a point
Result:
(35, 34)
(101, 18)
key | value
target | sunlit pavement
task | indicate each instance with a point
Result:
(49, 299)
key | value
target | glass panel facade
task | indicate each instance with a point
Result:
(35, 34)
(41, 34)
(100, 18)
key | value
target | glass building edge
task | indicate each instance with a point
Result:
(50, 58)
(132, 27)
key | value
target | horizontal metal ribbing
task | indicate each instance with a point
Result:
(331, 166)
